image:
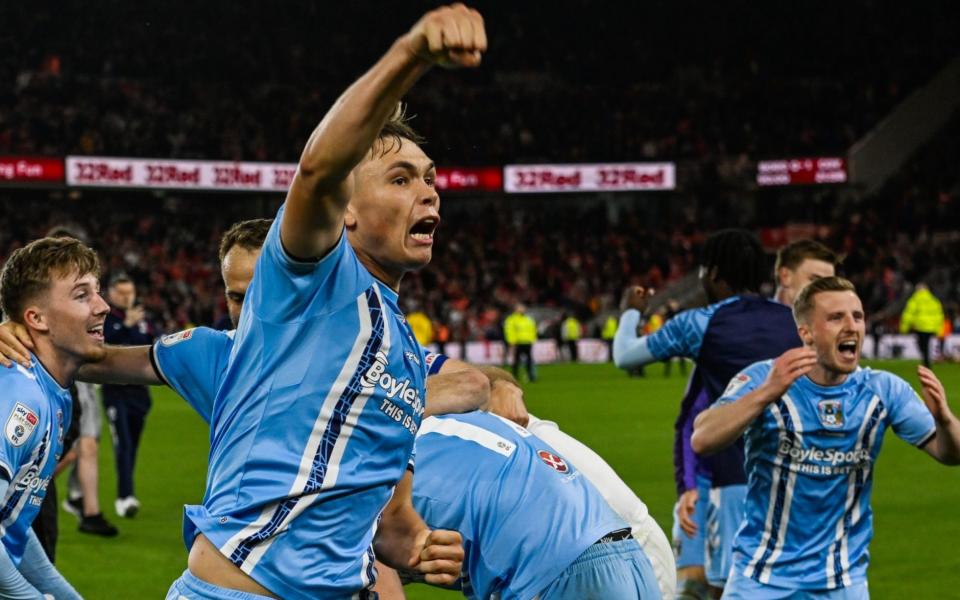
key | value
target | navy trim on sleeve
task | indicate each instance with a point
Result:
(437, 364)
(156, 366)
(927, 438)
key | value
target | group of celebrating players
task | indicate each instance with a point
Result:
(345, 460)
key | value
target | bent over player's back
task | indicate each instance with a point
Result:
(525, 513)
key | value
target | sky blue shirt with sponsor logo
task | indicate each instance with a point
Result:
(809, 459)
(524, 511)
(34, 410)
(312, 424)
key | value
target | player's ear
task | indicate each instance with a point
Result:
(35, 318)
(350, 217)
(806, 336)
(784, 277)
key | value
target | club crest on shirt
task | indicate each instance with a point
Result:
(553, 461)
(20, 424)
(831, 413)
(736, 383)
(411, 357)
(176, 338)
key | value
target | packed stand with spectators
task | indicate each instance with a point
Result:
(631, 82)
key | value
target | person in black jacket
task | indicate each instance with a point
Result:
(126, 405)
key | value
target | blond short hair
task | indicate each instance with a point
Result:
(30, 270)
(804, 302)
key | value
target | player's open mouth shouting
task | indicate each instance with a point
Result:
(848, 348)
(423, 230)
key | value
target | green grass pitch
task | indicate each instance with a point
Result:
(628, 421)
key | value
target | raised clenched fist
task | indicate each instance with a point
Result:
(451, 36)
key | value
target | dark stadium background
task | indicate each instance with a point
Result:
(713, 89)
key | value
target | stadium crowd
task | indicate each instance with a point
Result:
(208, 85)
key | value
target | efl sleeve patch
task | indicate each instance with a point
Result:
(176, 338)
(20, 424)
(736, 384)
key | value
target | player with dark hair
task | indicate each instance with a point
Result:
(800, 262)
(50, 287)
(738, 328)
(814, 422)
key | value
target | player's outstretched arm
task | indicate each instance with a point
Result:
(945, 444)
(630, 349)
(404, 541)
(122, 365)
(722, 424)
(451, 36)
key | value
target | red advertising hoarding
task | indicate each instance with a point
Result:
(100, 171)
(802, 171)
(22, 169)
(615, 177)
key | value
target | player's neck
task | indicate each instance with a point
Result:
(821, 375)
(390, 277)
(63, 368)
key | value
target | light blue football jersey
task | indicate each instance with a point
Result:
(809, 462)
(524, 511)
(193, 362)
(312, 424)
(35, 410)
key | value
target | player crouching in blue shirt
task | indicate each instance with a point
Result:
(813, 423)
(533, 525)
(50, 287)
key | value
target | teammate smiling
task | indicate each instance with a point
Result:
(814, 422)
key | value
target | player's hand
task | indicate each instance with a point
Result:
(787, 368)
(934, 396)
(685, 509)
(635, 297)
(450, 36)
(441, 556)
(15, 344)
(506, 400)
(133, 316)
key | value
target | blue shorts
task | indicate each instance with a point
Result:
(616, 570)
(741, 587)
(725, 506)
(189, 587)
(687, 549)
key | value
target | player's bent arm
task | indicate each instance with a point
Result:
(318, 196)
(944, 447)
(629, 349)
(122, 365)
(12, 583)
(404, 541)
(454, 390)
(945, 444)
(722, 424)
(41, 573)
